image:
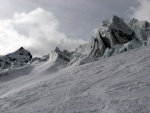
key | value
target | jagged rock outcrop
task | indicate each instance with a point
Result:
(112, 32)
(85, 48)
(115, 36)
(141, 29)
(17, 58)
(54, 55)
(97, 47)
(115, 31)
(63, 55)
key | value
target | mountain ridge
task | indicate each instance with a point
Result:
(17, 58)
(58, 82)
(114, 36)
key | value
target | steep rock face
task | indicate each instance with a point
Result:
(141, 29)
(115, 31)
(97, 47)
(85, 49)
(54, 55)
(65, 55)
(115, 36)
(18, 58)
(112, 32)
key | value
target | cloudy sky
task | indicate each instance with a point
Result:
(41, 25)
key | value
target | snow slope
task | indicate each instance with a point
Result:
(118, 84)
(29, 74)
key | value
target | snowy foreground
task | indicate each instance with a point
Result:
(119, 84)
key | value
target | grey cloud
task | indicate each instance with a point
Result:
(141, 11)
(77, 18)
(36, 31)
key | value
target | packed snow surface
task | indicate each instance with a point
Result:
(118, 84)
(27, 75)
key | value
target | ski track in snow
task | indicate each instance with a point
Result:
(119, 84)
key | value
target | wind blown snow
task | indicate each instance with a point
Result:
(119, 84)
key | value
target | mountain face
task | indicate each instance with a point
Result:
(114, 31)
(18, 58)
(119, 84)
(54, 55)
(141, 29)
(115, 36)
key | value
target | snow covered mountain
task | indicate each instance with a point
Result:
(17, 58)
(59, 82)
(54, 55)
(118, 84)
(115, 36)
(141, 29)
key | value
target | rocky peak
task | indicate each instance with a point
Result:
(141, 29)
(135, 22)
(115, 20)
(21, 48)
(115, 33)
(57, 50)
(112, 32)
(17, 58)
(117, 24)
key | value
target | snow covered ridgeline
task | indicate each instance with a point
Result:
(115, 36)
(17, 58)
(118, 84)
(23, 57)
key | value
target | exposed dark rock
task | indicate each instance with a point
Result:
(19, 57)
(115, 33)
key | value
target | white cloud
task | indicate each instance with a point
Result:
(142, 11)
(36, 31)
